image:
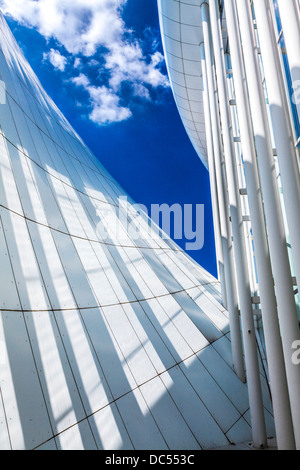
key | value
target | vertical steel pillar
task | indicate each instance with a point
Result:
(286, 152)
(243, 281)
(290, 184)
(276, 236)
(232, 300)
(213, 183)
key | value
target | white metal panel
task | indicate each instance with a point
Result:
(146, 271)
(201, 423)
(187, 115)
(102, 289)
(20, 386)
(146, 328)
(209, 309)
(29, 198)
(20, 97)
(190, 14)
(36, 114)
(46, 195)
(225, 377)
(193, 82)
(48, 445)
(167, 416)
(51, 268)
(174, 269)
(193, 337)
(175, 63)
(113, 273)
(146, 435)
(8, 191)
(221, 408)
(175, 259)
(89, 228)
(55, 161)
(168, 329)
(7, 125)
(170, 9)
(5, 74)
(9, 295)
(56, 378)
(91, 382)
(19, 120)
(78, 437)
(109, 430)
(28, 277)
(139, 229)
(27, 108)
(172, 28)
(200, 274)
(192, 33)
(40, 156)
(240, 432)
(4, 436)
(173, 46)
(74, 270)
(137, 284)
(198, 317)
(115, 369)
(70, 217)
(133, 352)
(171, 283)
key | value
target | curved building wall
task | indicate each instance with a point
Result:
(106, 342)
(181, 28)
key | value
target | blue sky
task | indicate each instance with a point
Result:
(102, 63)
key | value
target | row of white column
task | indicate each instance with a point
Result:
(279, 315)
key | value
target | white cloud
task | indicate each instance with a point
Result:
(57, 60)
(77, 63)
(81, 80)
(84, 27)
(79, 25)
(105, 103)
(127, 63)
(106, 106)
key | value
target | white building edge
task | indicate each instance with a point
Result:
(107, 342)
(234, 67)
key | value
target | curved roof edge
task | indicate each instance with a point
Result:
(181, 31)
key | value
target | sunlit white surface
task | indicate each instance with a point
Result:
(109, 343)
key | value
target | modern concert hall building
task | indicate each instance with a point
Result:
(112, 341)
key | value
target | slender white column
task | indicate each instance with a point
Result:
(213, 183)
(243, 281)
(290, 20)
(286, 152)
(276, 237)
(291, 188)
(232, 299)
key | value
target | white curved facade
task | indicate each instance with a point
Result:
(181, 28)
(234, 67)
(106, 343)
